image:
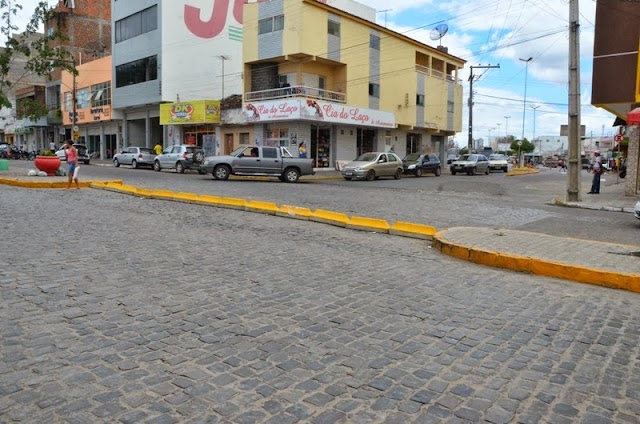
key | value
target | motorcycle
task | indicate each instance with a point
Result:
(33, 154)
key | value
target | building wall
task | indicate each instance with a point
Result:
(144, 45)
(92, 73)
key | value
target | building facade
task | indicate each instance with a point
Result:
(86, 33)
(616, 72)
(99, 126)
(341, 85)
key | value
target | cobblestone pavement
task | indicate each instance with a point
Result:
(118, 309)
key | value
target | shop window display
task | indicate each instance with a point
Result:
(320, 147)
(277, 137)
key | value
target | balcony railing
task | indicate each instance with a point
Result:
(435, 73)
(296, 91)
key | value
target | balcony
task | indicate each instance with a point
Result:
(296, 91)
(436, 73)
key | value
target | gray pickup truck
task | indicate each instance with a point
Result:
(258, 160)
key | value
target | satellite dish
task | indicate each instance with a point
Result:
(438, 32)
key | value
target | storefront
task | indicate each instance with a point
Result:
(323, 131)
(196, 122)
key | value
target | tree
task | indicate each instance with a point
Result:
(30, 52)
(527, 146)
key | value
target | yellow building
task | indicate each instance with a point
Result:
(344, 85)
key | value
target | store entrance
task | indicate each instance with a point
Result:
(365, 141)
(414, 141)
(320, 146)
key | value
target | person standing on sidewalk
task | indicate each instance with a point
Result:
(598, 170)
(72, 159)
(158, 148)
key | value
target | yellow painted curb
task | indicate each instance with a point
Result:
(329, 217)
(263, 207)
(580, 274)
(368, 224)
(294, 212)
(207, 199)
(161, 194)
(185, 197)
(233, 203)
(409, 229)
(43, 183)
(522, 171)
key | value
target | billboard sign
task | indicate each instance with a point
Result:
(195, 112)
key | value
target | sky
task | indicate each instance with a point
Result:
(499, 32)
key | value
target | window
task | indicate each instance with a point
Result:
(68, 105)
(244, 138)
(267, 25)
(277, 137)
(420, 99)
(101, 94)
(374, 42)
(450, 107)
(269, 152)
(374, 89)
(333, 28)
(82, 97)
(137, 71)
(139, 23)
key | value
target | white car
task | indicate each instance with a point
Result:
(637, 210)
(83, 156)
(498, 163)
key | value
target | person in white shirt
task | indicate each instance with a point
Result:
(598, 170)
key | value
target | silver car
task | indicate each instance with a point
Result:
(181, 157)
(471, 164)
(374, 165)
(135, 156)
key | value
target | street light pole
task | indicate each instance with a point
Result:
(74, 101)
(223, 58)
(524, 103)
(534, 126)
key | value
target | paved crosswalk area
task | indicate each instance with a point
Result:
(119, 309)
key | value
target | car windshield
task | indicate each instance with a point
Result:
(468, 157)
(496, 157)
(238, 151)
(367, 157)
(192, 149)
(411, 157)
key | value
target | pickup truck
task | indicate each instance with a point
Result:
(258, 160)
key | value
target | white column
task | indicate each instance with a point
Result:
(103, 147)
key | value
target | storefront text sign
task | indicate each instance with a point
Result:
(310, 109)
(195, 112)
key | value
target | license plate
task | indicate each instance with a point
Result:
(348, 173)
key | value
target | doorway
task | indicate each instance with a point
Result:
(365, 141)
(320, 146)
(228, 143)
(414, 143)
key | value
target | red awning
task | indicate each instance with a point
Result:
(633, 117)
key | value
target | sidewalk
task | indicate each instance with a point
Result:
(611, 197)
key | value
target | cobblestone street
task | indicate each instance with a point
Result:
(119, 309)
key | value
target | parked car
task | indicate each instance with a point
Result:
(637, 210)
(471, 164)
(257, 160)
(180, 158)
(5, 151)
(418, 164)
(452, 158)
(135, 156)
(371, 166)
(83, 155)
(498, 163)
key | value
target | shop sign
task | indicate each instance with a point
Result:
(195, 112)
(316, 110)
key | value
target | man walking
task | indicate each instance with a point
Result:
(598, 170)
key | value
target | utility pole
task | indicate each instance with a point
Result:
(471, 78)
(222, 59)
(385, 15)
(534, 126)
(573, 183)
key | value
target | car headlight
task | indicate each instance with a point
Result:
(412, 166)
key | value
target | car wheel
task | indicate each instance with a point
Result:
(86, 162)
(347, 178)
(438, 171)
(505, 169)
(486, 172)
(200, 171)
(398, 174)
(453, 172)
(418, 173)
(221, 172)
(371, 175)
(473, 171)
(291, 175)
(134, 164)
(116, 163)
(156, 166)
(179, 168)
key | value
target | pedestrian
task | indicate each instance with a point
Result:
(302, 150)
(72, 159)
(598, 170)
(158, 148)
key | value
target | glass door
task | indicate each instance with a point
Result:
(321, 146)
